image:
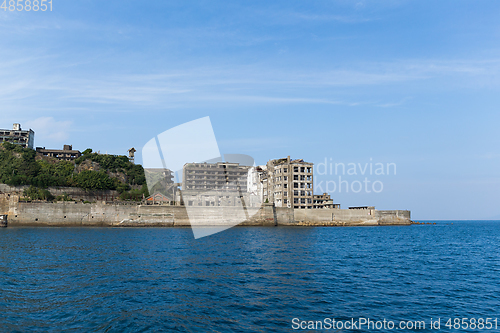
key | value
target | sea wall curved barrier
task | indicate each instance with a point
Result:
(124, 215)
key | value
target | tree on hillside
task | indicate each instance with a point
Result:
(21, 166)
(94, 180)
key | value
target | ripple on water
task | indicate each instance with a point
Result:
(245, 279)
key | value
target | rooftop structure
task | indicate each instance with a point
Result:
(289, 183)
(24, 138)
(67, 153)
(131, 154)
(363, 207)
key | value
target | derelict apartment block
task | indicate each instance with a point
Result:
(289, 183)
(66, 154)
(214, 184)
(24, 138)
(283, 182)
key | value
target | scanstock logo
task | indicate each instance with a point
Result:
(219, 195)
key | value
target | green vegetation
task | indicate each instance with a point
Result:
(63, 197)
(18, 165)
(94, 180)
(116, 163)
(135, 194)
(91, 171)
(37, 194)
(53, 174)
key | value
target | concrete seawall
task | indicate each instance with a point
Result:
(102, 214)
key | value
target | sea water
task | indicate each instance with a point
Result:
(249, 279)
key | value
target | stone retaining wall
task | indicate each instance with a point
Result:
(112, 214)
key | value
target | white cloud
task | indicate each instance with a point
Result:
(49, 130)
(27, 90)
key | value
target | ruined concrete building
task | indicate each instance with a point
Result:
(282, 182)
(66, 154)
(214, 176)
(289, 183)
(324, 200)
(24, 138)
(215, 184)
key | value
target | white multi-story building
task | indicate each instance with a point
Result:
(255, 185)
(24, 138)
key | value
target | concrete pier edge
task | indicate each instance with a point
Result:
(104, 214)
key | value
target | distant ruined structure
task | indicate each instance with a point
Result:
(281, 182)
(66, 154)
(17, 136)
(289, 183)
(324, 201)
(215, 184)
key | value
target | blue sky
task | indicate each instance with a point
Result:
(415, 83)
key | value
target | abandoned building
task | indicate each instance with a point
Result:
(161, 180)
(324, 200)
(257, 176)
(157, 199)
(283, 182)
(66, 154)
(289, 183)
(24, 138)
(215, 184)
(214, 176)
